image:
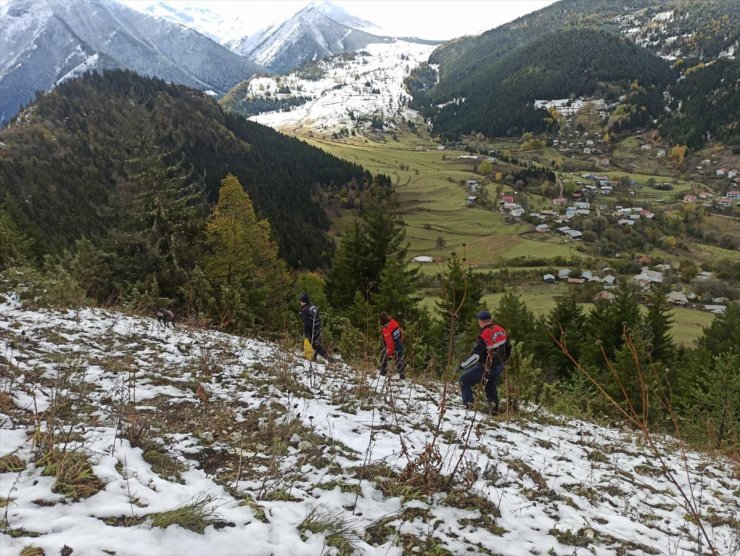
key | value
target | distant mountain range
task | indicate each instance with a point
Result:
(317, 31)
(44, 42)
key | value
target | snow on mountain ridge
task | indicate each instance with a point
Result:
(42, 41)
(342, 96)
(309, 34)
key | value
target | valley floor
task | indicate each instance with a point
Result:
(260, 455)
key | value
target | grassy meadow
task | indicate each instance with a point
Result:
(541, 299)
(433, 202)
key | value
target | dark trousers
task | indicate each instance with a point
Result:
(476, 375)
(398, 362)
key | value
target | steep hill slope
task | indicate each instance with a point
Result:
(497, 98)
(683, 33)
(44, 42)
(347, 92)
(63, 155)
(672, 28)
(250, 449)
(315, 32)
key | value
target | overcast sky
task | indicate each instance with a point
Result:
(430, 19)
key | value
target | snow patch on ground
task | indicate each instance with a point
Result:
(265, 440)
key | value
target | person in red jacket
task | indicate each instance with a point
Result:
(392, 345)
(486, 362)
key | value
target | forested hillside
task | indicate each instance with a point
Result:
(63, 157)
(687, 35)
(499, 95)
(706, 102)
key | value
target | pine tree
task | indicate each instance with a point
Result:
(14, 246)
(249, 281)
(373, 251)
(460, 300)
(658, 323)
(348, 272)
(607, 324)
(514, 315)
(158, 213)
(398, 293)
(565, 323)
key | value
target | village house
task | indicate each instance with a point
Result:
(604, 296)
(677, 298)
(542, 228)
(560, 202)
(647, 278)
(577, 281)
(549, 278)
(507, 199)
(646, 147)
(564, 273)
(733, 195)
(720, 172)
(731, 174)
(689, 198)
(609, 282)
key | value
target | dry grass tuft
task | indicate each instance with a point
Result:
(195, 516)
(11, 463)
(73, 473)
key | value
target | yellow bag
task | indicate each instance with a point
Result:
(308, 349)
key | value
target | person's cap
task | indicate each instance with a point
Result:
(483, 315)
(305, 299)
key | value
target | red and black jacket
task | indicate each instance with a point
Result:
(392, 337)
(491, 348)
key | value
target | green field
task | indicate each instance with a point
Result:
(541, 299)
(433, 202)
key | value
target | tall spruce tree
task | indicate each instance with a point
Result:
(460, 300)
(607, 324)
(565, 323)
(158, 211)
(372, 259)
(658, 322)
(249, 282)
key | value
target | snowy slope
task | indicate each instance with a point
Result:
(351, 91)
(292, 463)
(42, 41)
(215, 25)
(310, 34)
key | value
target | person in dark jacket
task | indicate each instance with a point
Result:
(312, 326)
(486, 362)
(392, 345)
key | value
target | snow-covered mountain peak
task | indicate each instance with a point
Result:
(43, 42)
(318, 30)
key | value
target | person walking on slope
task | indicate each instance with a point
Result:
(392, 345)
(311, 319)
(486, 362)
